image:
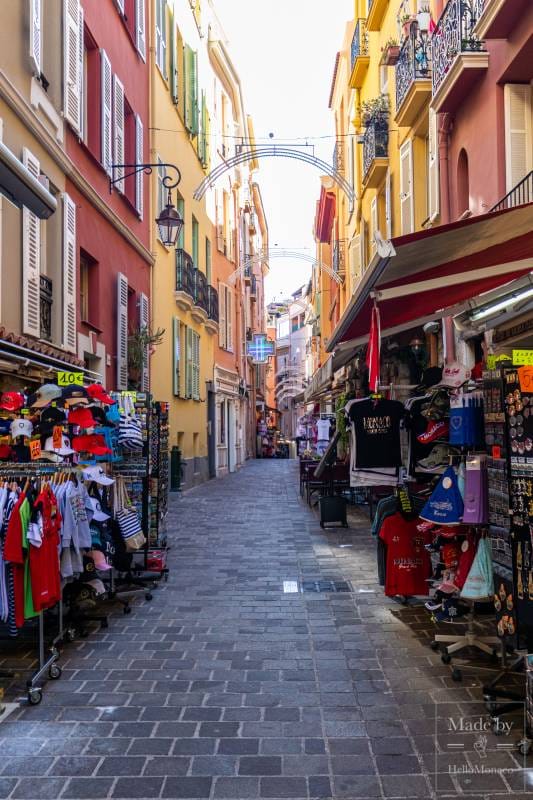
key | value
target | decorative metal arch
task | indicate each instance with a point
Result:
(278, 252)
(290, 384)
(274, 151)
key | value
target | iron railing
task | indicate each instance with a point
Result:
(46, 300)
(338, 156)
(359, 42)
(212, 303)
(453, 35)
(413, 64)
(200, 290)
(339, 256)
(184, 272)
(375, 144)
(519, 195)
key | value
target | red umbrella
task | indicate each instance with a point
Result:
(373, 350)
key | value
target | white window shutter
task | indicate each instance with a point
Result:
(222, 316)
(139, 159)
(140, 28)
(406, 188)
(107, 112)
(388, 206)
(355, 260)
(433, 167)
(31, 258)
(229, 317)
(35, 36)
(72, 81)
(81, 74)
(374, 222)
(144, 318)
(122, 331)
(176, 356)
(119, 133)
(518, 137)
(69, 274)
(120, 5)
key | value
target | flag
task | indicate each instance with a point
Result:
(373, 350)
(432, 26)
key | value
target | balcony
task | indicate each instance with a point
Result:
(497, 18)
(360, 58)
(458, 55)
(211, 323)
(247, 274)
(520, 195)
(413, 80)
(338, 157)
(339, 257)
(46, 300)
(184, 293)
(200, 309)
(375, 153)
(376, 12)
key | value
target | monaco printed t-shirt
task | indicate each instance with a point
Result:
(408, 562)
(376, 426)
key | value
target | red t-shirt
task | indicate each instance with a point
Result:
(408, 562)
(44, 560)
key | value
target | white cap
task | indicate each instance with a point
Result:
(97, 475)
(98, 514)
(21, 427)
(64, 450)
(454, 375)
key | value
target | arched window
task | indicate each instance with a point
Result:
(463, 184)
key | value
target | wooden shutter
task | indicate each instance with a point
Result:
(518, 138)
(69, 274)
(72, 79)
(161, 36)
(122, 332)
(362, 246)
(374, 222)
(139, 177)
(388, 206)
(194, 88)
(176, 356)
(31, 258)
(188, 362)
(144, 320)
(173, 59)
(433, 167)
(119, 132)
(140, 28)
(355, 260)
(35, 36)
(406, 188)
(222, 316)
(83, 88)
(187, 55)
(229, 318)
(196, 365)
(107, 112)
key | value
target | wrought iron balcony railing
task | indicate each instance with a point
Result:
(519, 195)
(359, 42)
(212, 303)
(184, 272)
(375, 144)
(413, 64)
(339, 256)
(454, 35)
(46, 300)
(338, 156)
(200, 290)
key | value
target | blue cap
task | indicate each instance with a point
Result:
(445, 506)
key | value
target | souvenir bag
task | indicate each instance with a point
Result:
(127, 518)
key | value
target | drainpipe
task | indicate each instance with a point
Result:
(443, 125)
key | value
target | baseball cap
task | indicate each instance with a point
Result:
(53, 416)
(5, 427)
(97, 475)
(99, 560)
(98, 514)
(21, 427)
(454, 375)
(93, 443)
(100, 417)
(435, 430)
(97, 392)
(64, 450)
(5, 452)
(12, 401)
(81, 417)
(75, 396)
(436, 461)
(97, 585)
(44, 396)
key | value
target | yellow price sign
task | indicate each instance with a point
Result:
(70, 378)
(523, 358)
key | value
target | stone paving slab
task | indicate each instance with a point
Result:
(224, 686)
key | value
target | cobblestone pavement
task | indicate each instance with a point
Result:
(225, 686)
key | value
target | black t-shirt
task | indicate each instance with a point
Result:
(377, 432)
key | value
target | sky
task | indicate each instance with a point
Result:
(284, 51)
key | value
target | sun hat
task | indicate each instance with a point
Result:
(64, 450)
(97, 475)
(97, 392)
(45, 395)
(21, 427)
(100, 561)
(82, 417)
(98, 514)
(91, 443)
(11, 401)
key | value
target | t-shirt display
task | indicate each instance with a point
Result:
(408, 561)
(376, 427)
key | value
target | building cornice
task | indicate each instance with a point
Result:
(20, 107)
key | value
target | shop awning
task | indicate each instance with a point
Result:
(320, 382)
(434, 272)
(21, 187)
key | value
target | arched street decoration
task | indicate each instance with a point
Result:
(278, 252)
(291, 383)
(274, 151)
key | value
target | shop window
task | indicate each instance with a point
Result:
(463, 184)
(88, 293)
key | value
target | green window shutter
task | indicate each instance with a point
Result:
(173, 60)
(180, 205)
(196, 365)
(189, 375)
(190, 65)
(195, 233)
(176, 356)
(194, 92)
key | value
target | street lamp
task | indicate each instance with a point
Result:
(169, 221)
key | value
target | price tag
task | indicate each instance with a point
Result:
(523, 357)
(496, 451)
(35, 449)
(57, 437)
(491, 362)
(70, 378)
(525, 378)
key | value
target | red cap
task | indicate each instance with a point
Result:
(81, 417)
(12, 401)
(94, 443)
(97, 392)
(5, 452)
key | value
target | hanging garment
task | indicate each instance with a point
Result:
(375, 425)
(408, 563)
(44, 557)
(480, 580)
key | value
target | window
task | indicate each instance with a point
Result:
(208, 260)
(294, 324)
(130, 151)
(91, 96)
(193, 364)
(463, 187)
(518, 103)
(225, 311)
(161, 36)
(190, 72)
(85, 268)
(221, 422)
(302, 320)
(383, 78)
(162, 192)
(195, 235)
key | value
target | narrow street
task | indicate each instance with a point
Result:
(225, 686)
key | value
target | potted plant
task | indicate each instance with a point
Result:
(406, 21)
(375, 111)
(424, 18)
(140, 342)
(391, 53)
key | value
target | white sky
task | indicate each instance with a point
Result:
(284, 51)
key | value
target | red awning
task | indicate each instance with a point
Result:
(434, 272)
(325, 215)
